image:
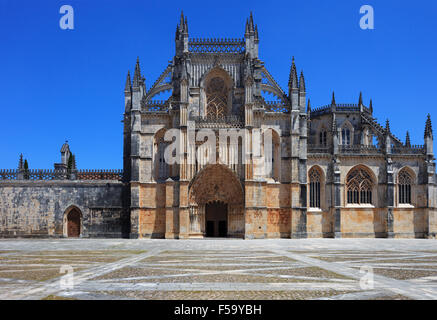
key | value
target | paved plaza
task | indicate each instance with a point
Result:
(218, 269)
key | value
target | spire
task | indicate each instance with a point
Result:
(309, 107)
(127, 87)
(256, 32)
(182, 21)
(21, 163)
(360, 99)
(428, 127)
(186, 25)
(247, 27)
(301, 82)
(292, 80)
(407, 140)
(137, 74)
(387, 126)
(251, 25)
(371, 106)
(333, 99)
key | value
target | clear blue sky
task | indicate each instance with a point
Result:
(68, 84)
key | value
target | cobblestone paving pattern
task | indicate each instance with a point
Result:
(219, 269)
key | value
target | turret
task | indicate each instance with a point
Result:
(251, 38)
(182, 36)
(138, 87)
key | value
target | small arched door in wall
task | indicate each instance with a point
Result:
(73, 223)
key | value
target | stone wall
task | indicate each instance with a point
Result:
(39, 208)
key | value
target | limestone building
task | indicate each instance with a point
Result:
(331, 171)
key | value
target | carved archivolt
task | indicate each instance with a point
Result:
(216, 183)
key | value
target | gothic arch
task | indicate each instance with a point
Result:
(410, 171)
(216, 183)
(405, 186)
(273, 161)
(360, 186)
(216, 87)
(72, 222)
(343, 129)
(161, 170)
(316, 187)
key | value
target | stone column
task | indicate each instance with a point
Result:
(389, 199)
(337, 199)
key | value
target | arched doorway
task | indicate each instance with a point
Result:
(73, 223)
(216, 201)
(216, 219)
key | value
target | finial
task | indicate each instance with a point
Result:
(309, 107)
(371, 106)
(127, 87)
(301, 82)
(292, 80)
(333, 99)
(137, 74)
(256, 32)
(251, 25)
(387, 126)
(407, 140)
(21, 162)
(428, 127)
(360, 99)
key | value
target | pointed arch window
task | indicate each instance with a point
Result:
(359, 187)
(217, 98)
(323, 138)
(404, 186)
(162, 169)
(315, 180)
(345, 136)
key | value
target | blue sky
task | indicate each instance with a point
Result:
(58, 85)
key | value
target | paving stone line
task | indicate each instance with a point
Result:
(396, 286)
(53, 286)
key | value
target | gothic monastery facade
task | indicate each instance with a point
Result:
(331, 171)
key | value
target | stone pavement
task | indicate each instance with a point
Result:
(219, 269)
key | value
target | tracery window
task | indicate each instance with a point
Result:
(404, 185)
(322, 138)
(217, 98)
(359, 187)
(315, 179)
(162, 169)
(345, 136)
